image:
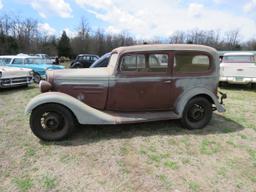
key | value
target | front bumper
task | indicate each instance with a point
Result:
(14, 82)
(238, 80)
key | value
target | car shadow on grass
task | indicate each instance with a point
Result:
(95, 133)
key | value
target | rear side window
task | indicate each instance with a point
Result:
(17, 61)
(191, 63)
(158, 62)
(133, 63)
(94, 58)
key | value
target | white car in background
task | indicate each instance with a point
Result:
(14, 77)
(238, 68)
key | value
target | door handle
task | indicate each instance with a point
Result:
(168, 81)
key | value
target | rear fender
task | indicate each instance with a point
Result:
(83, 113)
(184, 99)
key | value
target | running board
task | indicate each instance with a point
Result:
(129, 117)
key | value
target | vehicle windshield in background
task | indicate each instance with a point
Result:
(239, 59)
(102, 61)
(35, 61)
(86, 58)
(5, 61)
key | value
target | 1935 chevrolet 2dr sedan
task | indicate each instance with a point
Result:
(141, 83)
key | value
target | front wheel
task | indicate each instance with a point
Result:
(37, 78)
(52, 122)
(197, 113)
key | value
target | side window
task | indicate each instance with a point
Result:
(94, 58)
(158, 62)
(26, 61)
(133, 63)
(17, 61)
(191, 63)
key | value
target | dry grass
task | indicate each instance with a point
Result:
(156, 156)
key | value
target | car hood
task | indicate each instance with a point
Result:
(14, 71)
(46, 66)
(81, 73)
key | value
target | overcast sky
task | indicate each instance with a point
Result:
(141, 18)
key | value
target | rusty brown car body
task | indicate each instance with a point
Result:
(141, 83)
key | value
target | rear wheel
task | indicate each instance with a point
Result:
(197, 113)
(52, 122)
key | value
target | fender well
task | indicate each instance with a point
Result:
(82, 112)
(209, 98)
(197, 92)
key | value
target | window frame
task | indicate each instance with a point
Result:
(195, 53)
(168, 72)
(160, 63)
(136, 71)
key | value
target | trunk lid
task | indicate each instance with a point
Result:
(238, 69)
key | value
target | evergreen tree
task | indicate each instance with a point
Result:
(64, 47)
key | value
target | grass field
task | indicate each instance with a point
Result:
(158, 156)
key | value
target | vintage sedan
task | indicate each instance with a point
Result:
(140, 84)
(84, 61)
(38, 65)
(15, 77)
(238, 68)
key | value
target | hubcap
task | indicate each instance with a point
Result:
(196, 113)
(52, 121)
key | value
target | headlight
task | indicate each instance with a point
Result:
(31, 73)
(45, 86)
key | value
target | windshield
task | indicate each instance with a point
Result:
(5, 61)
(34, 61)
(238, 59)
(102, 61)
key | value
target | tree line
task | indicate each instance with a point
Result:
(21, 35)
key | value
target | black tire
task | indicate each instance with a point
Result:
(197, 113)
(36, 78)
(52, 122)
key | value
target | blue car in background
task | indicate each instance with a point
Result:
(38, 65)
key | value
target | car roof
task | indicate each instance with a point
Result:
(88, 55)
(18, 56)
(239, 53)
(7, 56)
(162, 47)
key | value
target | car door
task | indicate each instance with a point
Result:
(143, 83)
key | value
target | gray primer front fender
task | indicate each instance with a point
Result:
(185, 97)
(84, 113)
